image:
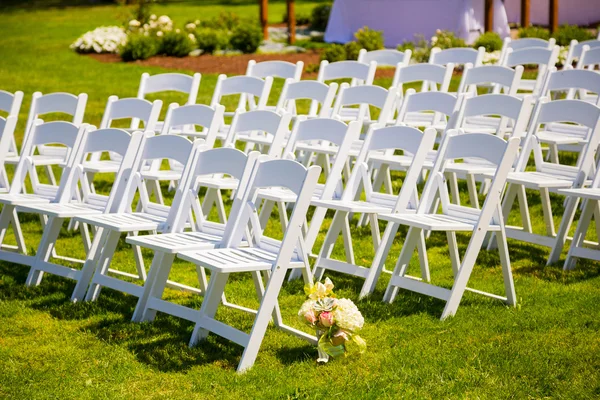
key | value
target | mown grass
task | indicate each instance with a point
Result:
(548, 346)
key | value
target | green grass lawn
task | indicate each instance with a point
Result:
(546, 347)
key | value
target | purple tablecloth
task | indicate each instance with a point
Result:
(401, 20)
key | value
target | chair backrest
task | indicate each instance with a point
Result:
(573, 80)
(576, 49)
(319, 93)
(386, 58)
(500, 77)
(457, 56)
(7, 134)
(524, 43)
(502, 106)
(173, 148)
(430, 74)
(268, 173)
(209, 162)
(111, 140)
(590, 57)
(389, 139)
(442, 104)
(578, 112)
(63, 133)
(331, 133)
(543, 58)
(11, 102)
(170, 81)
(490, 148)
(56, 102)
(359, 73)
(248, 87)
(365, 96)
(260, 122)
(131, 108)
(186, 118)
(275, 69)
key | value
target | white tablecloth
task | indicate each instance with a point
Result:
(574, 12)
(401, 20)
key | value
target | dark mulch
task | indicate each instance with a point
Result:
(230, 65)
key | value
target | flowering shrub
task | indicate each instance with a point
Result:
(491, 57)
(139, 47)
(352, 50)
(335, 52)
(491, 41)
(335, 320)
(369, 39)
(446, 40)
(156, 26)
(105, 39)
(177, 43)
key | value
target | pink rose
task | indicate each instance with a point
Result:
(326, 319)
(310, 317)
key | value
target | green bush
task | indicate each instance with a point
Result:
(352, 49)
(566, 33)
(420, 50)
(176, 44)
(209, 40)
(320, 17)
(490, 40)
(369, 39)
(225, 21)
(447, 40)
(246, 38)
(534, 32)
(335, 52)
(139, 47)
(301, 19)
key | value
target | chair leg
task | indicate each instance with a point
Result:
(51, 232)
(547, 210)
(154, 285)
(381, 254)
(453, 249)
(410, 243)
(107, 252)
(582, 227)
(563, 229)
(329, 242)
(509, 284)
(453, 183)
(265, 212)
(87, 271)
(472, 188)
(212, 300)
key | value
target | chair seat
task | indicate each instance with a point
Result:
(362, 207)
(68, 210)
(584, 193)
(172, 243)
(473, 168)
(559, 137)
(223, 183)
(22, 199)
(402, 162)
(102, 166)
(235, 260)
(434, 222)
(125, 222)
(285, 195)
(39, 159)
(162, 175)
(536, 180)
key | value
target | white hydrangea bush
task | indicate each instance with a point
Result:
(492, 57)
(105, 39)
(156, 26)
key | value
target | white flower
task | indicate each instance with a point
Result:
(197, 22)
(192, 37)
(434, 39)
(159, 33)
(492, 57)
(347, 316)
(105, 39)
(134, 23)
(152, 17)
(191, 26)
(164, 20)
(177, 30)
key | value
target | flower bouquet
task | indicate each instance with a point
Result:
(336, 321)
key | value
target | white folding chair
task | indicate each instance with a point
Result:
(63, 133)
(386, 58)
(379, 139)
(207, 234)
(590, 58)
(432, 77)
(10, 103)
(65, 103)
(182, 83)
(591, 208)
(550, 177)
(457, 56)
(114, 140)
(524, 43)
(269, 257)
(119, 219)
(576, 50)
(247, 87)
(498, 78)
(543, 58)
(454, 218)
(320, 95)
(364, 96)
(7, 134)
(359, 73)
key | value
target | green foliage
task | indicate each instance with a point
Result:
(209, 40)
(447, 40)
(566, 33)
(320, 17)
(369, 39)
(142, 11)
(534, 32)
(420, 50)
(335, 52)
(227, 20)
(246, 37)
(301, 18)
(352, 49)
(139, 47)
(490, 40)
(176, 44)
